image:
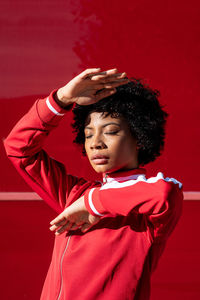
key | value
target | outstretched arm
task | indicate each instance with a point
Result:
(159, 198)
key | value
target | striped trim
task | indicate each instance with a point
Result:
(31, 196)
(115, 184)
(91, 203)
(110, 179)
(52, 108)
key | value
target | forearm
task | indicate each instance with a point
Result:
(28, 135)
(45, 175)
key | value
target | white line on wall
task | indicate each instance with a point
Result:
(31, 196)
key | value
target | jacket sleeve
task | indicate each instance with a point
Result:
(23, 145)
(158, 198)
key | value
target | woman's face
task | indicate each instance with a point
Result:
(109, 144)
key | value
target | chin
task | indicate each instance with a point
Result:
(105, 168)
(100, 168)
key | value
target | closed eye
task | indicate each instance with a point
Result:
(112, 132)
(88, 136)
(109, 132)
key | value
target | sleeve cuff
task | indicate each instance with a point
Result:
(93, 203)
(49, 111)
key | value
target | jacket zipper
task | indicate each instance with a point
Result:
(61, 262)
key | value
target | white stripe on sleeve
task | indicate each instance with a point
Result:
(52, 108)
(115, 184)
(91, 203)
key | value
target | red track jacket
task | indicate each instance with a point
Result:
(115, 258)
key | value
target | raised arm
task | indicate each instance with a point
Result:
(45, 175)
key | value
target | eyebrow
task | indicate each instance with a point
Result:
(110, 123)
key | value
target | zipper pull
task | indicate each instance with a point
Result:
(106, 178)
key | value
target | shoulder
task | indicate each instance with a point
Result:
(161, 176)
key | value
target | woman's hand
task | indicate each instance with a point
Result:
(73, 217)
(90, 86)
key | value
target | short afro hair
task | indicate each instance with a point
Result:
(138, 104)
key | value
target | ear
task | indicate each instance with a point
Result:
(137, 147)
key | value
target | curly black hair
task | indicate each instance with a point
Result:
(138, 104)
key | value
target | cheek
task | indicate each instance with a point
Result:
(117, 146)
(86, 145)
(123, 148)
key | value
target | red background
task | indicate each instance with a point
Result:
(45, 43)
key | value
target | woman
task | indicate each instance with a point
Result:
(109, 235)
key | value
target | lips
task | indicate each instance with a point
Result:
(99, 159)
(98, 156)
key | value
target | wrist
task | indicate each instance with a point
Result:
(61, 100)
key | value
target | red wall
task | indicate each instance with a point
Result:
(43, 45)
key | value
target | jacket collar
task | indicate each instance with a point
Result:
(123, 175)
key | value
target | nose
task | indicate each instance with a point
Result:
(97, 142)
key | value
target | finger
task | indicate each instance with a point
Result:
(106, 78)
(89, 72)
(104, 93)
(93, 219)
(102, 74)
(74, 227)
(58, 219)
(110, 72)
(55, 226)
(85, 227)
(117, 83)
(111, 85)
(63, 228)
